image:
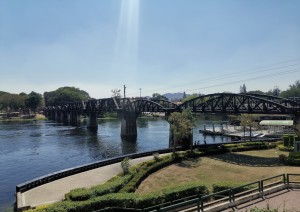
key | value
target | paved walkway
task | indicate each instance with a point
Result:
(285, 200)
(55, 191)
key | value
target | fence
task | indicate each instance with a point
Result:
(230, 197)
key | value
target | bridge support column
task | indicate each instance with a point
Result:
(65, 117)
(297, 125)
(128, 124)
(74, 118)
(50, 115)
(92, 123)
(58, 116)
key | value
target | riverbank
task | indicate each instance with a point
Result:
(36, 117)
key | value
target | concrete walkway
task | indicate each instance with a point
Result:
(285, 200)
(56, 190)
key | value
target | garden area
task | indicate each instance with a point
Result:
(162, 180)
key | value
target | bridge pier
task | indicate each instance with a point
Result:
(65, 117)
(128, 124)
(58, 116)
(50, 115)
(92, 123)
(74, 118)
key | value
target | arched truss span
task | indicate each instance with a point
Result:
(144, 105)
(166, 104)
(236, 103)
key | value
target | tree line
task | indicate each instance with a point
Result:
(34, 101)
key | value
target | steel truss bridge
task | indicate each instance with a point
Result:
(129, 108)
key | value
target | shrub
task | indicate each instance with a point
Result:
(281, 147)
(282, 158)
(125, 164)
(80, 194)
(156, 157)
(294, 159)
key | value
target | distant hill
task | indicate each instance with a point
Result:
(173, 96)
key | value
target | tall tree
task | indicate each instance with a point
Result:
(157, 96)
(292, 91)
(64, 95)
(33, 101)
(243, 89)
(181, 125)
(248, 120)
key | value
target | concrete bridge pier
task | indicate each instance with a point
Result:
(92, 123)
(74, 118)
(58, 116)
(128, 124)
(65, 117)
(50, 115)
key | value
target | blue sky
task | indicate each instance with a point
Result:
(159, 46)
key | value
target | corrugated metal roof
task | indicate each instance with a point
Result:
(277, 122)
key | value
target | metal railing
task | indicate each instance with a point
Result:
(230, 195)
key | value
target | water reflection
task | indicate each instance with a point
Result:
(129, 145)
(39, 148)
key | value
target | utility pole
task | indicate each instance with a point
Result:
(140, 92)
(124, 91)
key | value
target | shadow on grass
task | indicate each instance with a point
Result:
(189, 163)
(247, 160)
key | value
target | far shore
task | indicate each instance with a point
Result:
(35, 118)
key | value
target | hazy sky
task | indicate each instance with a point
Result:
(156, 45)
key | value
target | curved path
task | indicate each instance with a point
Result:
(56, 190)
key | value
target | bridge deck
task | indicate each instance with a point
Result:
(55, 191)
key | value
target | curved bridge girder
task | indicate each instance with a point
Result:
(166, 104)
(144, 105)
(235, 103)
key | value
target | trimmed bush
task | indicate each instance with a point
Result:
(79, 194)
(281, 147)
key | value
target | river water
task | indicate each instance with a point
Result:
(35, 148)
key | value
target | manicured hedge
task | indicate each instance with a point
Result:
(129, 200)
(221, 186)
(112, 186)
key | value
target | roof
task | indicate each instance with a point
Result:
(277, 122)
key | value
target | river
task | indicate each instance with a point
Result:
(35, 148)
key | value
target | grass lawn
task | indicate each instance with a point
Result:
(242, 167)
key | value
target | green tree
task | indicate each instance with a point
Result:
(64, 95)
(157, 96)
(181, 125)
(292, 91)
(12, 102)
(33, 101)
(274, 92)
(189, 97)
(256, 92)
(248, 120)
